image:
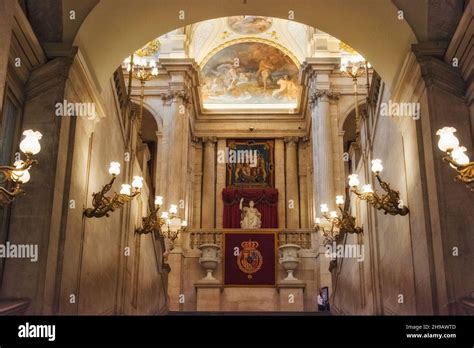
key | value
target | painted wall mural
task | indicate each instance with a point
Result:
(250, 73)
(249, 25)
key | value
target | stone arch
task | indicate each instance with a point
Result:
(377, 33)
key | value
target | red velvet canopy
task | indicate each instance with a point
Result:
(266, 201)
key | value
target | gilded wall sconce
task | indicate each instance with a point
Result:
(19, 174)
(341, 222)
(389, 202)
(169, 225)
(455, 156)
(152, 223)
(103, 205)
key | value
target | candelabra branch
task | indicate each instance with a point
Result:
(389, 202)
(151, 223)
(103, 205)
(12, 175)
(465, 171)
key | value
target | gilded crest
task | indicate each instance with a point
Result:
(250, 260)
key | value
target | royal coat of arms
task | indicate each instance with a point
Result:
(250, 260)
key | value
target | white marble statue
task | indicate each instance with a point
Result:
(251, 217)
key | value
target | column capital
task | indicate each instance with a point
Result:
(180, 96)
(209, 141)
(323, 95)
(291, 141)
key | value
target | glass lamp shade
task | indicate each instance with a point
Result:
(339, 200)
(158, 200)
(447, 139)
(173, 209)
(333, 215)
(367, 189)
(164, 215)
(317, 221)
(137, 182)
(184, 223)
(459, 156)
(324, 208)
(377, 166)
(114, 168)
(354, 180)
(20, 176)
(126, 190)
(30, 144)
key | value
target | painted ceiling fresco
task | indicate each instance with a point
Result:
(250, 74)
(249, 25)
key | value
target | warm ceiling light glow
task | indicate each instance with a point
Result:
(173, 209)
(114, 168)
(377, 166)
(137, 182)
(30, 144)
(459, 156)
(158, 200)
(367, 189)
(21, 176)
(126, 190)
(354, 180)
(447, 139)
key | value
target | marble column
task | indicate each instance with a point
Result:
(303, 183)
(209, 183)
(197, 184)
(280, 181)
(292, 194)
(220, 185)
(323, 148)
(158, 162)
(176, 154)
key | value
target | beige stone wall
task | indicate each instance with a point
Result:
(82, 266)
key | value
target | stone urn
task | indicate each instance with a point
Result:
(289, 259)
(209, 259)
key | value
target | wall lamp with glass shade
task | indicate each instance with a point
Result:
(12, 177)
(389, 202)
(167, 224)
(455, 156)
(103, 205)
(340, 222)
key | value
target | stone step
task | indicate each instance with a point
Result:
(13, 306)
(285, 314)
